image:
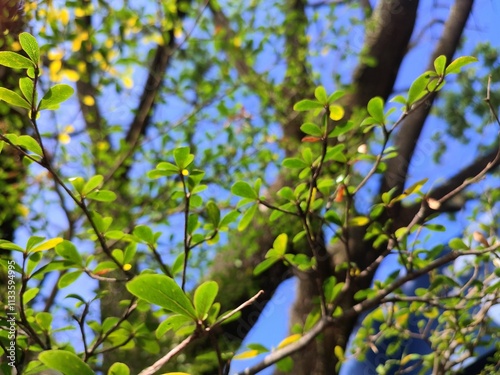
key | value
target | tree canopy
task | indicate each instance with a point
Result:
(166, 165)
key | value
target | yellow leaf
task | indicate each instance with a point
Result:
(64, 138)
(237, 41)
(88, 100)
(336, 112)
(247, 354)
(432, 313)
(47, 245)
(56, 54)
(64, 16)
(54, 69)
(128, 82)
(79, 12)
(71, 75)
(339, 353)
(359, 221)
(288, 340)
(127, 267)
(178, 32)
(185, 172)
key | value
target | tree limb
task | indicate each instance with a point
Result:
(410, 130)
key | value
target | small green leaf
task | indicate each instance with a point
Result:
(244, 190)
(247, 218)
(341, 129)
(78, 183)
(68, 278)
(294, 163)
(30, 144)
(264, 265)
(15, 60)
(280, 244)
(119, 368)
(68, 251)
(457, 244)
(55, 96)
(7, 245)
(418, 88)
(163, 291)
(173, 322)
(320, 94)
(27, 85)
(335, 96)
(30, 294)
(182, 157)
(144, 233)
(95, 182)
(375, 108)
(13, 98)
(204, 297)
(102, 196)
(44, 320)
(213, 214)
(457, 64)
(311, 129)
(66, 362)
(30, 46)
(439, 65)
(307, 105)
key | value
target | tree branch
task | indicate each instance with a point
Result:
(409, 133)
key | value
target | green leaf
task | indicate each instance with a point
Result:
(27, 85)
(213, 214)
(264, 265)
(280, 243)
(68, 278)
(286, 192)
(244, 190)
(247, 218)
(15, 60)
(95, 182)
(68, 251)
(30, 144)
(7, 245)
(311, 129)
(439, 65)
(332, 217)
(418, 88)
(30, 294)
(66, 362)
(119, 368)
(182, 157)
(173, 322)
(44, 320)
(335, 96)
(78, 183)
(307, 105)
(163, 291)
(294, 163)
(204, 297)
(102, 195)
(30, 46)
(144, 233)
(55, 96)
(375, 108)
(320, 94)
(341, 129)
(457, 64)
(12, 98)
(457, 244)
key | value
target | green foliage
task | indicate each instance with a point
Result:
(153, 225)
